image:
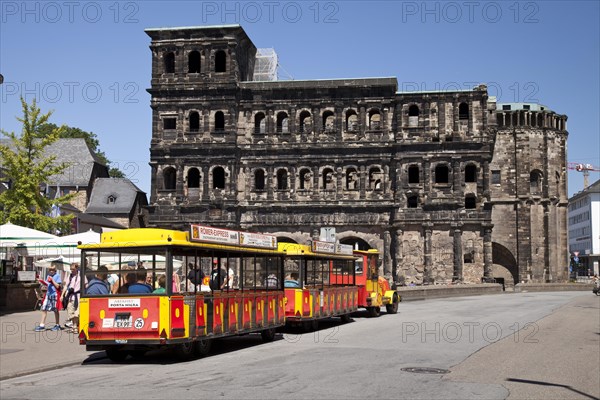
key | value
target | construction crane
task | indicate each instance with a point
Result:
(585, 169)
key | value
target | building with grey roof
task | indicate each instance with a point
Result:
(119, 200)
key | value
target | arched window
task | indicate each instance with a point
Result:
(412, 201)
(194, 62)
(305, 179)
(375, 179)
(328, 121)
(193, 178)
(169, 178)
(470, 173)
(441, 174)
(220, 61)
(413, 116)
(259, 179)
(305, 122)
(219, 121)
(282, 179)
(194, 121)
(374, 120)
(328, 179)
(218, 178)
(470, 201)
(351, 121)
(169, 60)
(413, 174)
(282, 122)
(535, 181)
(463, 111)
(351, 179)
(260, 125)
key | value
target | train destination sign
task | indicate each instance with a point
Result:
(258, 240)
(200, 233)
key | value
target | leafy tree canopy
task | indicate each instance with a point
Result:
(27, 168)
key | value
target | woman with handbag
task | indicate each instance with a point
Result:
(70, 299)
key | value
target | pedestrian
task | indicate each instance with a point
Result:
(50, 301)
(71, 299)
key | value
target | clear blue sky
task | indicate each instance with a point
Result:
(90, 62)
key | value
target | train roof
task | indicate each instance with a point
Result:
(154, 237)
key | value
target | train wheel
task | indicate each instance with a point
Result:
(138, 354)
(345, 318)
(268, 335)
(392, 308)
(374, 311)
(203, 346)
(116, 354)
(185, 351)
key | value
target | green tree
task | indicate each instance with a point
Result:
(90, 138)
(27, 169)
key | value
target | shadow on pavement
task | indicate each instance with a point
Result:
(541, 383)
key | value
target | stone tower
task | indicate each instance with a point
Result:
(429, 178)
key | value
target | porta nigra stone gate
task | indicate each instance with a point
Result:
(448, 186)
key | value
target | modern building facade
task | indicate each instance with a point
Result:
(449, 186)
(584, 229)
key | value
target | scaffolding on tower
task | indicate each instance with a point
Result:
(265, 67)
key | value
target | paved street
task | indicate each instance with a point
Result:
(515, 346)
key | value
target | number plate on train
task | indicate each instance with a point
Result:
(123, 322)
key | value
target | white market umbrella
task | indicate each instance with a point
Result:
(14, 235)
(60, 246)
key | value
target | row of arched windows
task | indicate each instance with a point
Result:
(305, 121)
(327, 179)
(441, 174)
(194, 62)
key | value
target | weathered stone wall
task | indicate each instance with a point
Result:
(439, 182)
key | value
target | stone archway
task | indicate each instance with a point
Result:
(502, 258)
(356, 243)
